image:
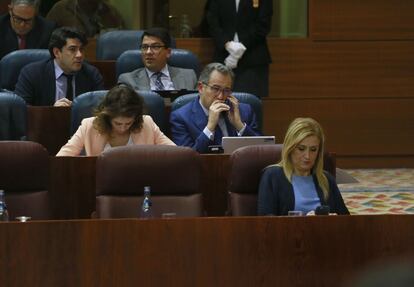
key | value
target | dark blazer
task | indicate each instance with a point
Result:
(37, 38)
(251, 24)
(276, 195)
(189, 121)
(37, 83)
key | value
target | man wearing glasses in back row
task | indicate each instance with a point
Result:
(22, 28)
(214, 114)
(157, 75)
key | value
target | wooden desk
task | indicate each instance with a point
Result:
(72, 185)
(49, 126)
(255, 251)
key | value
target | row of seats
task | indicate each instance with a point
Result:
(13, 110)
(24, 171)
(12, 63)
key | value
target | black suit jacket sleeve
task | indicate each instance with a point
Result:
(89, 79)
(26, 85)
(335, 200)
(276, 195)
(251, 24)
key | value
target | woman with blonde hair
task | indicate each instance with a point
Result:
(298, 181)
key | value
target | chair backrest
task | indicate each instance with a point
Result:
(24, 176)
(172, 172)
(131, 60)
(13, 116)
(247, 164)
(84, 104)
(112, 44)
(246, 98)
(12, 63)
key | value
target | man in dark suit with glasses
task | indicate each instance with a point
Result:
(22, 28)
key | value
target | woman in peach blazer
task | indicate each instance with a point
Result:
(118, 121)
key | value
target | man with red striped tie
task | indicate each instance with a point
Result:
(22, 28)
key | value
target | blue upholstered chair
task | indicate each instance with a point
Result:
(131, 60)
(246, 98)
(12, 63)
(111, 45)
(12, 117)
(84, 104)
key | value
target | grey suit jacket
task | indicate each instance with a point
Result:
(138, 79)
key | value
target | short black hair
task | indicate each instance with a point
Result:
(160, 33)
(61, 35)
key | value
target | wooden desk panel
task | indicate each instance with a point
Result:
(72, 187)
(49, 126)
(255, 251)
(73, 182)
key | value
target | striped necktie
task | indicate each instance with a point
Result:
(158, 83)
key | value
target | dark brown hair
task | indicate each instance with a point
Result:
(120, 101)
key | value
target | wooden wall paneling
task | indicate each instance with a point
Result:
(353, 127)
(361, 20)
(304, 68)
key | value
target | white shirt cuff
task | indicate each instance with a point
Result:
(208, 133)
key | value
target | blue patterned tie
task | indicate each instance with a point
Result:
(158, 83)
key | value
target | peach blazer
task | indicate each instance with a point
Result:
(89, 138)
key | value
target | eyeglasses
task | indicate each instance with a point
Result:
(155, 48)
(19, 20)
(216, 90)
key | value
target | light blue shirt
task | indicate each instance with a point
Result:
(61, 83)
(306, 196)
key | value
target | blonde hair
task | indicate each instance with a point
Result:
(298, 130)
